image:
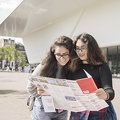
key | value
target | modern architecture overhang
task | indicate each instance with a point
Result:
(32, 15)
(39, 22)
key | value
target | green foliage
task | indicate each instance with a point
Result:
(10, 53)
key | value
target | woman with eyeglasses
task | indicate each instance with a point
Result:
(55, 65)
(90, 58)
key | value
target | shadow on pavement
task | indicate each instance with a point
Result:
(7, 91)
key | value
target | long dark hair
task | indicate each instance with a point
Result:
(95, 55)
(50, 63)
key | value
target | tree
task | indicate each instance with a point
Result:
(9, 53)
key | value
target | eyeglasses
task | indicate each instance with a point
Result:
(64, 55)
(81, 49)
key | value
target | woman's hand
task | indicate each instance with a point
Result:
(41, 92)
(102, 94)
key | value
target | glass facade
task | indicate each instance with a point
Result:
(113, 57)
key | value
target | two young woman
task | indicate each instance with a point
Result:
(55, 65)
(89, 57)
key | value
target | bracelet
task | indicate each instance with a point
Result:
(108, 96)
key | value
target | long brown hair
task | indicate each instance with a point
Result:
(95, 55)
(50, 63)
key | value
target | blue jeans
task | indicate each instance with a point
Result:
(39, 114)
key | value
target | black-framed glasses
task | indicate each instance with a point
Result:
(64, 55)
(80, 49)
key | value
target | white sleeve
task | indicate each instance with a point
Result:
(37, 70)
(32, 89)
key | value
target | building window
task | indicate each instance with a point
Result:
(113, 58)
(119, 60)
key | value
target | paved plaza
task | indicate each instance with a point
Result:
(13, 96)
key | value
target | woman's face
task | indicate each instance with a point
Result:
(62, 55)
(81, 50)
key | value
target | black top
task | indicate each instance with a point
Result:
(101, 75)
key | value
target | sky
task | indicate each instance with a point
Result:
(17, 40)
(7, 7)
